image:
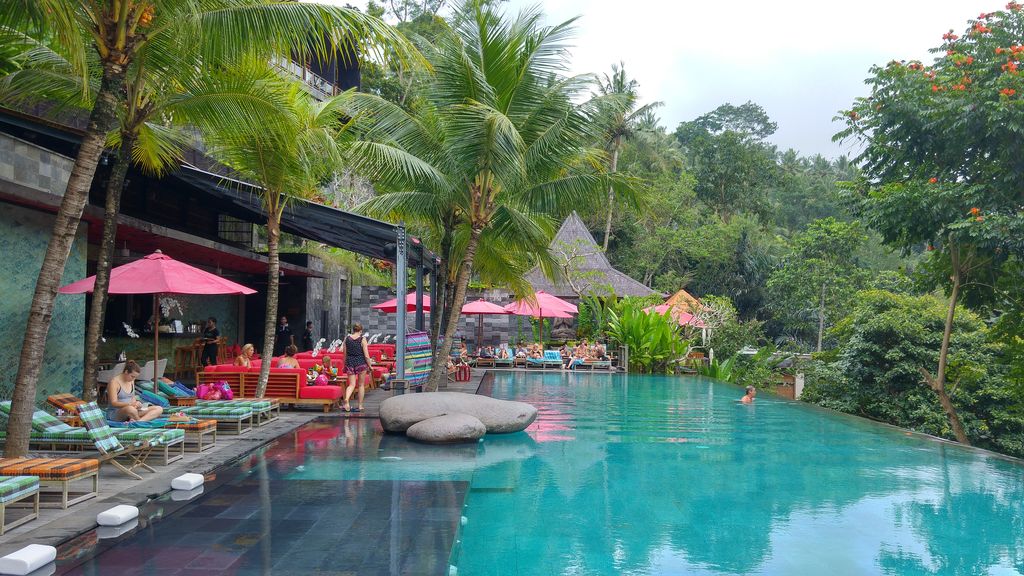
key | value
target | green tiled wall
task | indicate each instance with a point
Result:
(24, 234)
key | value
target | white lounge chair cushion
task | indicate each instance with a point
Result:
(117, 515)
(28, 559)
(187, 481)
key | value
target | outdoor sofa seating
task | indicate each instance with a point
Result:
(15, 489)
(286, 385)
(49, 433)
(59, 472)
(199, 434)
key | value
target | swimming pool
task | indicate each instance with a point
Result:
(619, 475)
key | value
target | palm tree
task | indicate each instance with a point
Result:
(289, 159)
(122, 32)
(502, 135)
(622, 120)
(154, 125)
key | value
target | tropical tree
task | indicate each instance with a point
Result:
(622, 118)
(818, 276)
(153, 126)
(288, 159)
(502, 140)
(120, 32)
(942, 163)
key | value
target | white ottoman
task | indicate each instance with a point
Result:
(187, 481)
(186, 495)
(29, 558)
(117, 515)
(108, 532)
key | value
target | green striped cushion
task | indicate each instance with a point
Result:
(96, 422)
(258, 406)
(14, 487)
(217, 412)
(45, 422)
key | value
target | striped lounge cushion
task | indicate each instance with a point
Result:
(258, 406)
(14, 487)
(45, 422)
(48, 468)
(66, 402)
(96, 422)
(219, 412)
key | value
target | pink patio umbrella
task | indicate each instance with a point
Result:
(479, 308)
(543, 306)
(683, 318)
(391, 306)
(159, 274)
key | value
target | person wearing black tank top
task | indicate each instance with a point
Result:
(357, 366)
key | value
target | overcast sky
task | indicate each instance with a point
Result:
(802, 60)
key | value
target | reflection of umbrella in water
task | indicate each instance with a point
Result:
(158, 274)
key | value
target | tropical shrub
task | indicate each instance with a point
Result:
(655, 341)
(718, 370)
(727, 334)
(884, 344)
(756, 369)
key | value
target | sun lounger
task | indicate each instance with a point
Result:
(199, 434)
(56, 472)
(15, 489)
(552, 359)
(125, 458)
(49, 433)
(265, 410)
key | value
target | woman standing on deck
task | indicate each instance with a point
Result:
(357, 366)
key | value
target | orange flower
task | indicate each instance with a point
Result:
(970, 60)
(999, 50)
(979, 219)
(1013, 6)
(975, 211)
(935, 88)
(1007, 91)
(933, 180)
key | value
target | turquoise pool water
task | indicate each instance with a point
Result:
(619, 475)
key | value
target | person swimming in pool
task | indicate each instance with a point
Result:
(749, 398)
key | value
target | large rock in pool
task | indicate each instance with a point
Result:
(398, 413)
(447, 429)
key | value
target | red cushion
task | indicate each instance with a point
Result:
(379, 371)
(328, 392)
(308, 354)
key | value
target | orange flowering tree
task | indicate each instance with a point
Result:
(943, 161)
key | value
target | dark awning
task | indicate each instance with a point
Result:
(315, 222)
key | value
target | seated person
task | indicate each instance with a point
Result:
(122, 405)
(520, 351)
(502, 352)
(488, 352)
(600, 352)
(245, 358)
(289, 360)
(536, 351)
(463, 352)
(326, 367)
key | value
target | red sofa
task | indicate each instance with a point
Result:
(287, 385)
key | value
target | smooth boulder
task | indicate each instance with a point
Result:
(447, 429)
(398, 413)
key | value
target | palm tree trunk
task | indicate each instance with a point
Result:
(938, 384)
(101, 120)
(104, 262)
(821, 317)
(611, 193)
(273, 289)
(440, 369)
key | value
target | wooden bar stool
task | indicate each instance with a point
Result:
(186, 358)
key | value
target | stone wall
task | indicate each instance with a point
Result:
(496, 329)
(33, 167)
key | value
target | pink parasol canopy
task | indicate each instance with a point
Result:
(391, 306)
(158, 274)
(544, 306)
(683, 318)
(482, 306)
(479, 308)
